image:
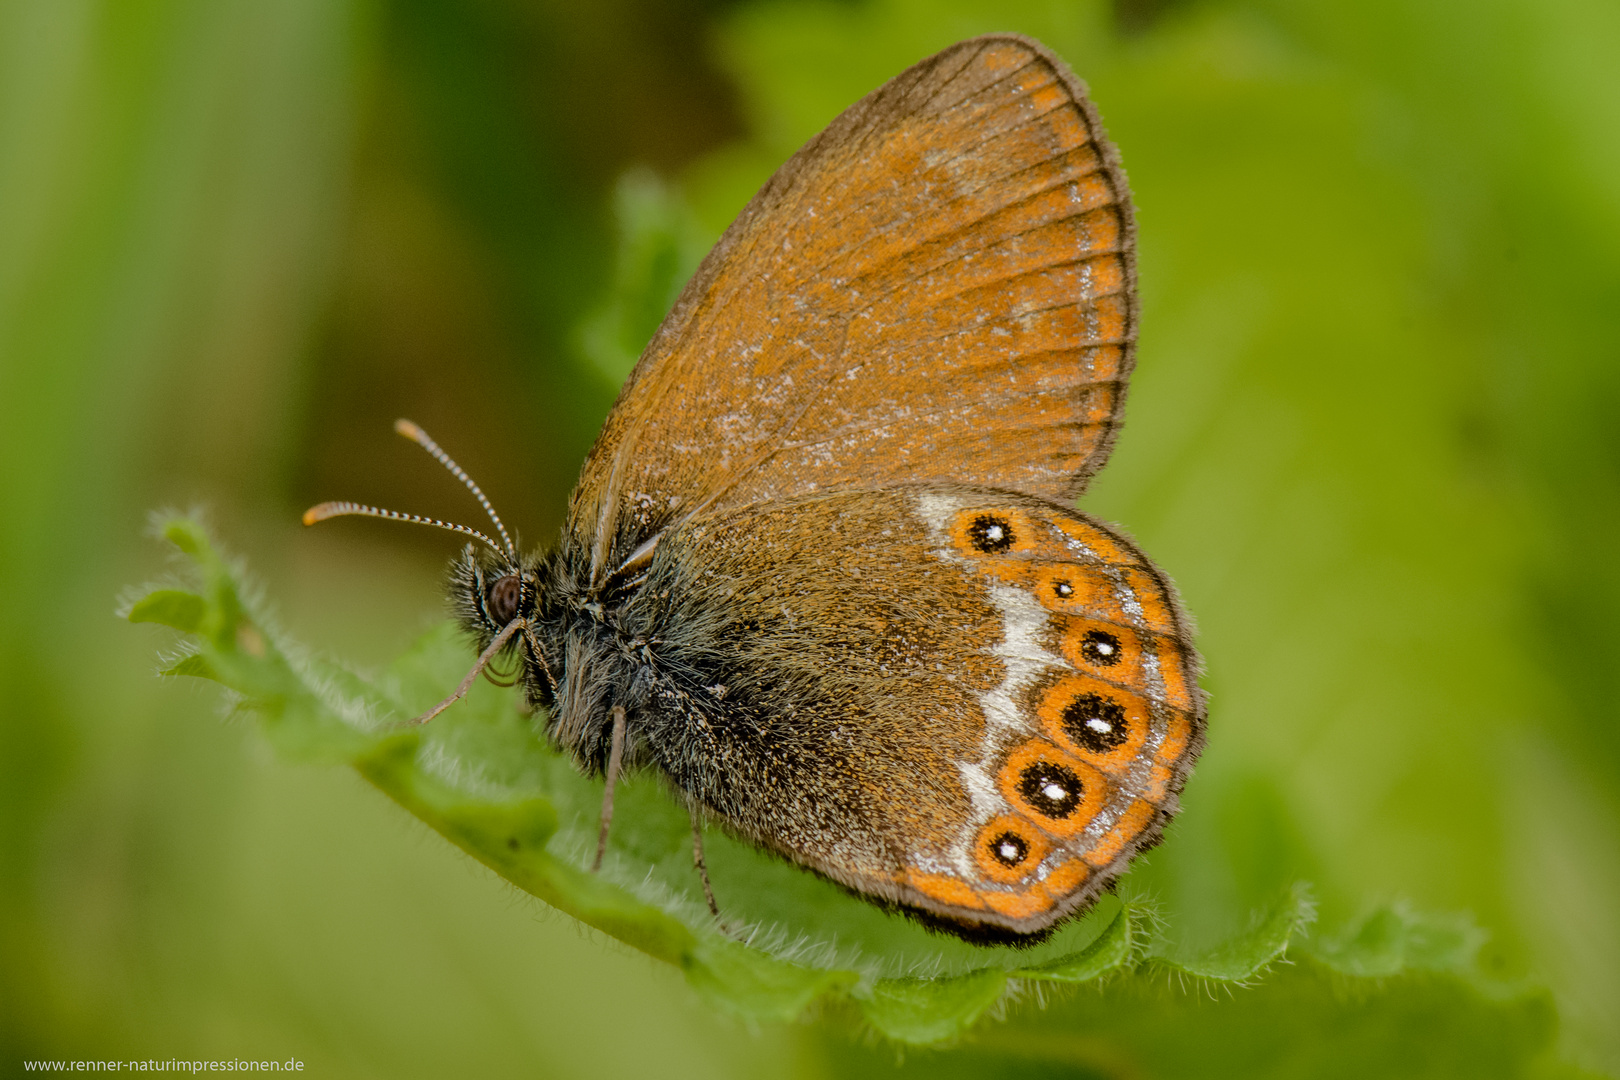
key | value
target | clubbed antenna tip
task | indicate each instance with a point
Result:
(322, 512)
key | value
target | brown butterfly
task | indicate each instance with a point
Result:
(820, 570)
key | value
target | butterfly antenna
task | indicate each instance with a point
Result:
(341, 509)
(420, 438)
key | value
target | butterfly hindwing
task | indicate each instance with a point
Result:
(939, 287)
(986, 730)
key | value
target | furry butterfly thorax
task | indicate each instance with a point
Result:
(822, 571)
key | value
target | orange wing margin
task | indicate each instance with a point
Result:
(939, 287)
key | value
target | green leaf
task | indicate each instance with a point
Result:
(1393, 939)
(171, 607)
(1303, 1020)
(1111, 951)
(1242, 957)
(733, 978)
(189, 536)
(482, 777)
(193, 665)
(931, 1010)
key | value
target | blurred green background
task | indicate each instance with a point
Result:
(1375, 436)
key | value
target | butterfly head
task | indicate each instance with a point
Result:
(496, 592)
(492, 593)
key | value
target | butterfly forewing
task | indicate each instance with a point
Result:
(972, 703)
(940, 287)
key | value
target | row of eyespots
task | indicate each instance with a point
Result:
(1009, 849)
(1122, 595)
(1052, 793)
(1102, 719)
(1110, 591)
(1106, 727)
(1087, 716)
(1098, 720)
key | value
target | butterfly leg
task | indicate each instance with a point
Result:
(702, 867)
(615, 756)
(472, 676)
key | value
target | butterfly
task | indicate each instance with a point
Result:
(821, 569)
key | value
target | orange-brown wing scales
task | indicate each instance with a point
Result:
(1008, 124)
(939, 288)
(1049, 193)
(959, 439)
(1012, 188)
(932, 308)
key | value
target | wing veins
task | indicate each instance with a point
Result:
(989, 86)
(991, 282)
(1000, 321)
(892, 117)
(1021, 125)
(910, 417)
(966, 226)
(1070, 100)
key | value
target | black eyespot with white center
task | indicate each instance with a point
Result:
(1100, 647)
(1051, 789)
(991, 534)
(1009, 849)
(502, 599)
(1096, 722)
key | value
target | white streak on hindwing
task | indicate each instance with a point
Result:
(1025, 660)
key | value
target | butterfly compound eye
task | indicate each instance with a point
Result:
(503, 599)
